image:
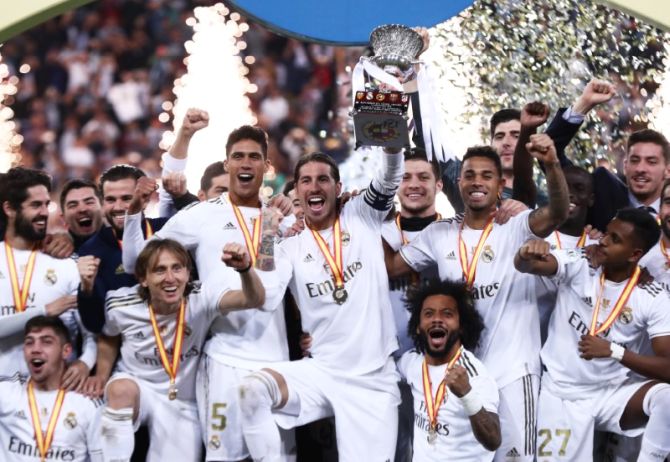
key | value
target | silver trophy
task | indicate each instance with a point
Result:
(380, 105)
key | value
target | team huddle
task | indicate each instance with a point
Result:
(526, 327)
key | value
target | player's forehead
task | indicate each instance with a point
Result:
(439, 302)
(166, 258)
(509, 126)
(418, 166)
(646, 150)
(315, 169)
(80, 194)
(37, 193)
(479, 164)
(40, 333)
(120, 187)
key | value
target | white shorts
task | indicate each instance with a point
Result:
(174, 431)
(365, 407)
(518, 412)
(566, 427)
(217, 395)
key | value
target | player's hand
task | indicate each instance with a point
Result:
(508, 208)
(541, 146)
(144, 188)
(94, 386)
(534, 114)
(457, 380)
(535, 249)
(61, 305)
(595, 92)
(593, 233)
(174, 184)
(305, 344)
(270, 219)
(75, 376)
(593, 347)
(296, 228)
(281, 203)
(58, 245)
(88, 269)
(594, 258)
(236, 256)
(194, 120)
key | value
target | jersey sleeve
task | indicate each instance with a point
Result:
(570, 263)
(658, 319)
(487, 389)
(111, 327)
(519, 227)
(419, 254)
(404, 363)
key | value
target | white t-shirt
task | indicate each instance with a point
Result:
(244, 338)
(359, 335)
(52, 279)
(656, 263)
(128, 315)
(505, 298)
(645, 312)
(77, 434)
(455, 440)
(398, 286)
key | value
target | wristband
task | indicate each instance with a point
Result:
(245, 270)
(616, 351)
(471, 402)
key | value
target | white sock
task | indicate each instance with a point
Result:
(655, 442)
(259, 392)
(118, 436)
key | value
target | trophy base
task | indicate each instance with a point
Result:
(380, 119)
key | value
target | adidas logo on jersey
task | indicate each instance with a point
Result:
(229, 226)
(308, 258)
(139, 335)
(451, 255)
(587, 300)
(20, 415)
(513, 453)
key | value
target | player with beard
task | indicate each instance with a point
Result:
(657, 260)
(474, 248)
(81, 210)
(40, 420)
(607, 314)
(244, 341)
(34, 283)
(455, 398)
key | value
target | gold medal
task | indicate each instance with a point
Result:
(340, 295)
(172, 393)
(334, 261)
(433, 404)
(432, 435)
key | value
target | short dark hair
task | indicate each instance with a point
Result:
(471, 323)
(17, 181)
(487, 152)
(120, 172)
(666, 183)
(213, 170)
(502, 116)
(288, 187)
(650, 136)
(247, 132)
(147, 259)
(420, 154)
(51, 322)
(317, 157)
(77, 183)
(646, 228)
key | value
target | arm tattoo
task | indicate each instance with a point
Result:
(266, 249)
(486, 428)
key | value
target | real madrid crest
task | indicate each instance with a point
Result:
(214, 442)
(345, 238)
(50, 277)
(119, 269)
(626, 315)
(70, 420)
(487, 254)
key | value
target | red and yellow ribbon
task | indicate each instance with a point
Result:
(334, 260)
(433, 405)
(470, 267)
(150, 232)
(618, 306)
(44, 441)
(252, 242)
(404, 239)
(20, 293)
(170, 368)
(580, 242)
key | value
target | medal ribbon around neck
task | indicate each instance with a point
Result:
(404, 239)
(251, 242)
(580, 242)
(20, 293)
(433, 406)
(171, 369)
(150, 232)
(334, 261)
(44, 441)
(470, 268)
(618, 306)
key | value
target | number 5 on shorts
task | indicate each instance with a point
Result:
(546, 434)
(218, 415)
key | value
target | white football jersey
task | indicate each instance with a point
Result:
(505, 298)
(77, 434)
(398, 286)
(645, 312)
(242, 338)
(52, 278)
(656, 263)
(128, 315)
(455, 440)
(358, 335)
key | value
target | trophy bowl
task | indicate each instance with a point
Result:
(395, 45)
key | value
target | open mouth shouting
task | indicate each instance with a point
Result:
(437, 338)
(316, 204)
(37, 365)
(245, 178)
(85, 224)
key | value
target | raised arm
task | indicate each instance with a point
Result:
(396, 266)
(545, 220)
(133, 237)
(252, 294)
(532, 116)
(108, 351)
(533, 257)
